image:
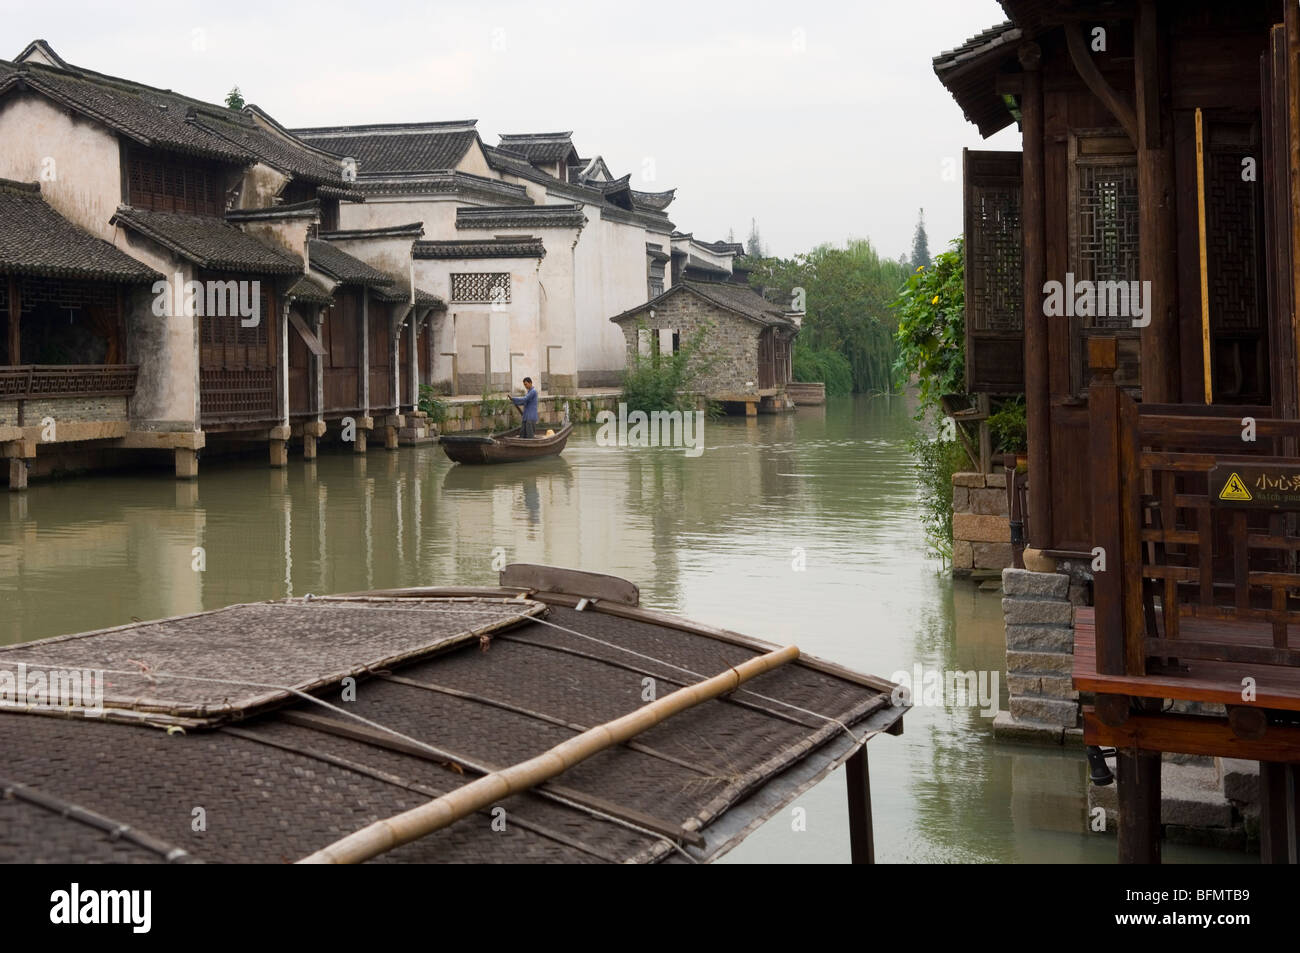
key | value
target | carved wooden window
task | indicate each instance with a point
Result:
(480, 287)
(1104, 216)
(995, 311)
(655, 280)
(167, 183)
(1236, 282)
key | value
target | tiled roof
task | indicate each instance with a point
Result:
(541, 146)
(655, 201)
(167, 120)
(522, 247)
(970, 72)
(457, 183)
(308, 209)
(396, 147)
(722, 248)
(399, 289)
(342, 194)
(149, 117)
(414, 229)
(737, 299)
(344, 268)
(527, 216)
(308, 289)
(208, 242)
(36, 240)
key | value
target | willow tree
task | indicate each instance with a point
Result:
(846, 293)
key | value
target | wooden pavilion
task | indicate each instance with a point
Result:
(1134, 270)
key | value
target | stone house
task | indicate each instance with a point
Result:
(747, 340)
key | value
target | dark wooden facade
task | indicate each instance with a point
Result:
(237, 366)
(341, 335)
(1167, 159)
(380, 333)
(1106, 190)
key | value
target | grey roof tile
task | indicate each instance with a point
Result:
(209, 242)
(37, 240)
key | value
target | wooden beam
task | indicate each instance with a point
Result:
(1157, 227)
(1207, 735)
(1092, 78)
(15, 321)
(1034, 263)
(1277, 821)
(1138, 792)
(862, 840)
(1206, 363)
(1291, 24)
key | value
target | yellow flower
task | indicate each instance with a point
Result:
(934, 300)
(920, 268)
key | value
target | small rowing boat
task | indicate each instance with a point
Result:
(506, 447)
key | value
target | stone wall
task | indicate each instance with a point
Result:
(470, 415)
(730, 341)
(61, 409)
(981, 528)
(1040, 657)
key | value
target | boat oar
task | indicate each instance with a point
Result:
(490, 789)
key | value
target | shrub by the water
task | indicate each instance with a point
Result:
(664, 381)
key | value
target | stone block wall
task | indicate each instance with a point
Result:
(1039, 620)
(94, 408)
(981, 528)
(730, 342)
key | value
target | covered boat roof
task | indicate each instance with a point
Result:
(451, 684)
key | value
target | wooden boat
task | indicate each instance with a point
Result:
(507, 447)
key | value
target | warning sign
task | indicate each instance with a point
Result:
(1266, 485)
(1234, 490)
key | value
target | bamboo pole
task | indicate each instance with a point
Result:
(403, 828)
(1205, 271)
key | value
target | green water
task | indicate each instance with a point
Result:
(715, 537)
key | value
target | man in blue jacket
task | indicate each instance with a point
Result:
(529, 403)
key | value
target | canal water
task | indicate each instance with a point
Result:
(802, 528)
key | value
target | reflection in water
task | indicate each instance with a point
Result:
(713, 537)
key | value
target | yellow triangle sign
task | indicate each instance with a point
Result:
(1235, 490)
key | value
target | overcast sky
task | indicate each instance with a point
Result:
(823, 121)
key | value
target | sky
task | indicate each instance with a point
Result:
(821, 121)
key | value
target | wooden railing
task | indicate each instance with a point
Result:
(237, 395)
(28, 381)
(1195, 517)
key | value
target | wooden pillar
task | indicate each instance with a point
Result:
(862, 839)
(1157, 224)
(15, 321)
(1279, 818)
(363, 384)
(1034, 257)
(1107, 531)
(1138, 792)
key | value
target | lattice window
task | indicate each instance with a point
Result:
(480, 287)
(655, 280)
(66, 294)
(994, 255)
(165, 183)
(1104, 219)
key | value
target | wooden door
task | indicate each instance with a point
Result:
(237, 365)
(995, 311)
(381, 379)
(342, 340)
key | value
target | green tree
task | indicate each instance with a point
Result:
(920, 243)
(846, 292)
(234, 98)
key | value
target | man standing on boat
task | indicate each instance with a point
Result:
(529, 403)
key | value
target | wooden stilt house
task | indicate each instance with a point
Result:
(1133, 269)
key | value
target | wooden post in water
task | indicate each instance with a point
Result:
(1034, 254)
(862, 838)
(1138, 793)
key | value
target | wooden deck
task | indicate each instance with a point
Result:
(1202, 680)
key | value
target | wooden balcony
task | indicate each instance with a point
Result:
(1196, 522)
(36, 381)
